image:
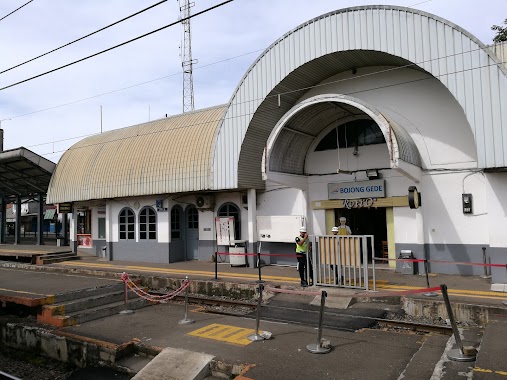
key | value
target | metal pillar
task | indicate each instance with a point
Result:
(3, 220)
(17, 228)
(64, 228)
(40, 220)
(456, 354)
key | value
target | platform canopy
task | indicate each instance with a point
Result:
(24, 173)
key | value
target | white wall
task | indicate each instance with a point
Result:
(497, 208)
(444, 221)
(424, 107)
(116, 205)
(367, 157)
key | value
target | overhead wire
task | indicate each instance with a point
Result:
(15, 10)
(83, 37)
(132, 86)
(117, 46)
(261, 111)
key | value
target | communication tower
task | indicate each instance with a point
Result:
(186, 56)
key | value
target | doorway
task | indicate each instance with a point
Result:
(192, 233)
(366, 221)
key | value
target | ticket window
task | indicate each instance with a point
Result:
(84, 229)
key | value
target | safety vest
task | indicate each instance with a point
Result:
(301, 248)
(342, 230)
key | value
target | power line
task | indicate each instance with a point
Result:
(82, 38)
(267, 110)
(116, 46)
(132, 86)
(15, 10)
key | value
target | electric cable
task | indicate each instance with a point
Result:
(117, 46)
(131, 86)
(267, 110)
(82, 38)
(15, 10)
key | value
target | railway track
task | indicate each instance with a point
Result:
(386, 323)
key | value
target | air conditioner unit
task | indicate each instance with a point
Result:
(204, 201)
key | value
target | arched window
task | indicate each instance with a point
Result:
(355, 133)
(193, 217)
(147, 224)
(230, 209)
(127, 224)
(176, 212)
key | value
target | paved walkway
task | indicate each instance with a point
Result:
(472, 288)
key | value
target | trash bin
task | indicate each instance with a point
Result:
(406, 267)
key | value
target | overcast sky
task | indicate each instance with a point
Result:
(243, 28)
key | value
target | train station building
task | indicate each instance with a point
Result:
(337, 118)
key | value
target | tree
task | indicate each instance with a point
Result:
(501, 32)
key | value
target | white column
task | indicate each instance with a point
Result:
(252, 216)
(73, 229)
(252, 225)
(109, 230)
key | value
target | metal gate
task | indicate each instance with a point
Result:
(342, 261)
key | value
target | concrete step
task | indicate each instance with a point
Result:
(422, 364)
(176, 364)
(88, 292)
(90, 314)
(58, 258)
(491, 363)
(87, 302)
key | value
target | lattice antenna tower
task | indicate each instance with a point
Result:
(186, 56)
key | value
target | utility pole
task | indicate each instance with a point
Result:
(186, 56)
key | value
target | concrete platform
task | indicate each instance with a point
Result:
(34, 288)
(285, 356)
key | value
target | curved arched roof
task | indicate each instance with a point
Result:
(298, 129)
(169, 155)
(351, 38)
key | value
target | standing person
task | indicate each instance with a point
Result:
(343, 229)
(301, 250)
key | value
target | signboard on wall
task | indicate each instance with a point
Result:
(225, 230)
(354, 190)
(64, 208)
(279, 229)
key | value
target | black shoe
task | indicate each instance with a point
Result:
(304, 283)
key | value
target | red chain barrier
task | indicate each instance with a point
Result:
(150, 297)
(443, 262)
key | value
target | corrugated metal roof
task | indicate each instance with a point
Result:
(315, 115)
(354, 38)
(169, 155)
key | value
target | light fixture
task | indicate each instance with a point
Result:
(372, 173)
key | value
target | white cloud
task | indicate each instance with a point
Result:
(236, 28)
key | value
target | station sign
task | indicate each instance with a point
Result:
(64, 208)
(357, 190)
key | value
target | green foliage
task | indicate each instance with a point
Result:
(501, 32)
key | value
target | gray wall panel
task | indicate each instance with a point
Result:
(146, 251)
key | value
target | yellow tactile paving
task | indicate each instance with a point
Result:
(483, 370)
(451, 291)
(224, 333)
(179, 271)
(381, 284)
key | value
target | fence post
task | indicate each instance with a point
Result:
(428, 294)
(259, 281)
(186, 321)
(485, 261)
(216, 266)
(126, 294)
(456, 354)
(317, 348)
(257, 336)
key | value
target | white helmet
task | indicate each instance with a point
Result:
(302, 229)
(334, 229)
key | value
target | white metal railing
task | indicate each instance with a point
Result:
(341, 261)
